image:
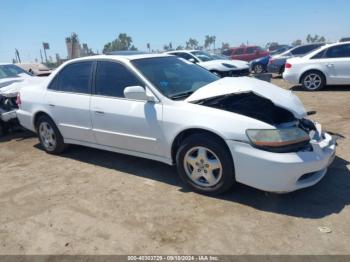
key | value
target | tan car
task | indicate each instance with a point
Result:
(36, 69)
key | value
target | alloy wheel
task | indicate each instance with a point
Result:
(312, 81)
(203, 166)
(47, 135)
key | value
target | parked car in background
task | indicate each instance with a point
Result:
(220, 67)
(36, 69)
(344, 39)
(277, 47)
(216, 131)
(246, 53)
(259, 65)
(12, 79)
(328, 65)
(276, 63)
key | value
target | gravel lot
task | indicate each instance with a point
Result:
(89, 201)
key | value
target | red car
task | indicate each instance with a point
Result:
(246, 53)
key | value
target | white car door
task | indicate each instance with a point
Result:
(119, 122)
(68, 101)
(336, 62)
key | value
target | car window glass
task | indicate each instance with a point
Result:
(75, 78)
(112, 78)
(239, 51)
(250, 50)
(186, 56)
(319, 54)
(338, 51)
(304, 49)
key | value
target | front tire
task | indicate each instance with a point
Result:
(49, 136)
(313, 81)
(205, 164)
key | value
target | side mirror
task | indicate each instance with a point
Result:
(138, 93)
(192, 60)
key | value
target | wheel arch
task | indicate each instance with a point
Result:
(36, 117)
(191, 131)
(312, 70)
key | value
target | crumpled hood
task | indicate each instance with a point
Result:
(218, 65)
(12, 87)
(235, 85)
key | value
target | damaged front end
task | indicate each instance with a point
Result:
(8, 117)
(291, 134)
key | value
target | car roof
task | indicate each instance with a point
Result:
(118, 57)
(312, 53)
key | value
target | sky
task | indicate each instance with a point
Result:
(25, 24)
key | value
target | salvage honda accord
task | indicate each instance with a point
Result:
(216, 131)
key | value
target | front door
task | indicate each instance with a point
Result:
(119, 122)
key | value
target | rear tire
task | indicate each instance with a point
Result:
(258, 68)
(205, 164)
(313, 81)
(49, 136)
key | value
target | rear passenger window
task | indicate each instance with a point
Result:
(250, 50)
(74, 78)
(239, 51)
(338, 51)
(112, 78)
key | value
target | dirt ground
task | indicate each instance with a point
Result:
(89, 201)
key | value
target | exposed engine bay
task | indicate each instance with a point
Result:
(260, 108)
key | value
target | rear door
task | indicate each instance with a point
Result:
(120, 122)
(238, 54)
(68, 99)
(337, 64)
(250, 53)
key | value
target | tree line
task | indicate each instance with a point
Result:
(124, 42)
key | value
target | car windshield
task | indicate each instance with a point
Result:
(174, 77)
(203, 56)
(7, 71)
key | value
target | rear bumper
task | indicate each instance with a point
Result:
(274, 68)
(291, 77)
(25, 119)
(282, 172)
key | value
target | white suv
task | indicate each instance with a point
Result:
(328, 65)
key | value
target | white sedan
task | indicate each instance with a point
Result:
(216, 131)
(219, 66)
(328, 65)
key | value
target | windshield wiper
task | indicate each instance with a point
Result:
(181, 95)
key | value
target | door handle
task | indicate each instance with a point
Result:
(52, 105)
(98, 112)
(330, 65)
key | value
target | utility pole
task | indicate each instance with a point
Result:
(17, 56)
(45, 46)
(41, 56)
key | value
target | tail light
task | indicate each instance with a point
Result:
(18, 100)
(288, 65)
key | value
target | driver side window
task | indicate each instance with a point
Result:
(112, 78)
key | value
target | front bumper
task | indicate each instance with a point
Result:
(239, 72)
(282, 172)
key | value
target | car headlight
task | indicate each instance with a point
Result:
(277, 138)
(229, 66)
